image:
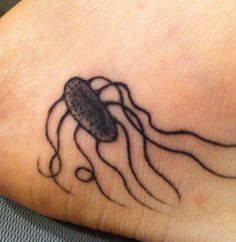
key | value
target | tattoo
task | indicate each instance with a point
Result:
(93, 115)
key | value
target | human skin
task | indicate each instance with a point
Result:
(178, 59)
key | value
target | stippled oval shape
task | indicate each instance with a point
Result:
(87, 109)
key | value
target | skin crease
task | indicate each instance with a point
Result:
(178, 59)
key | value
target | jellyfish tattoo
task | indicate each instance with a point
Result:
(92, 114)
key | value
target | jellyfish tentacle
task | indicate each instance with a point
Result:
(89, 179)
(158, 129)
(50, 112)
(171, 132)
(122, 178)
(92, 167)
(57, 154)
(91, 80)
(130, 162)
(62, 119)
(56, 149)
(147, 158)
(171, 150)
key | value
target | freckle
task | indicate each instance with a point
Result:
(141, 4)
(199, 200)
(173, 31)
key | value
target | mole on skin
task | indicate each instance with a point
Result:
(88, 110)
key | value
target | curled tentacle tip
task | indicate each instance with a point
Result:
(84, 174)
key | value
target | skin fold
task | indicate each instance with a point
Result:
(178, 59)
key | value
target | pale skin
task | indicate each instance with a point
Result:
(178, 59)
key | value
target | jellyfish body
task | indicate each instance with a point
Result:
(88, 110)
(92, 114)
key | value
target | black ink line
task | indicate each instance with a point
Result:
(89, 179)
(91, 80)
(47, 121)
(98, 92)
(122, 177)
(47, 135)
(92, 167)
(130, 162)
(162, 131)
(146, 156)
(52, 174)
(188, 154)
(173, 132)
(57, 154)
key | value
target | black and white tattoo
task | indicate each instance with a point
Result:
(93, 115)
